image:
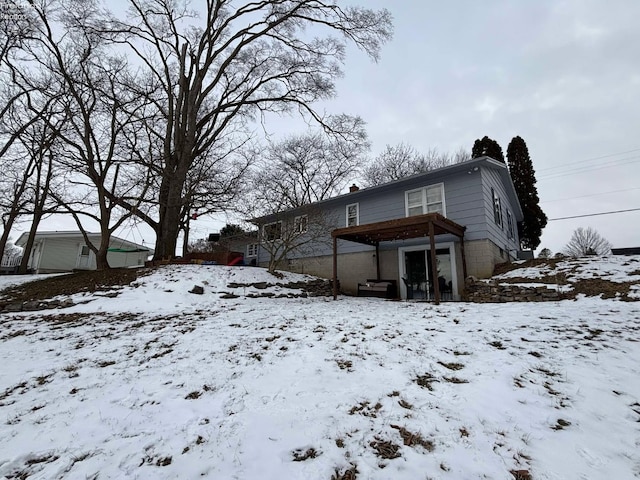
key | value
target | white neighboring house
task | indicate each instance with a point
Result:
(67, 251)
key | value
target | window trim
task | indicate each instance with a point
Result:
(252, 250)
(266, 235)
(357, 205)
(497, 209)
(301, 224)
(510, 230)
(425, 204)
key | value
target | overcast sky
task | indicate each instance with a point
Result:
(563, 75)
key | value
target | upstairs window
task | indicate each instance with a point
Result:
(353, 215)
(273, 231)
(301, 224)
(497, 209)
(510, 230)
(252, 250)
(428, 199)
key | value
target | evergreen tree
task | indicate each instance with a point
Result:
(524, 181)
(231, 230)
(487, 147)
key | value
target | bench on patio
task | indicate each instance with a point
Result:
(378, 288)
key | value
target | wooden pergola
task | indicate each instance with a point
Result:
(427, 225)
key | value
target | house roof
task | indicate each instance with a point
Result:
(116, 243)
(462, 167)
(626, 251)
(399, 229)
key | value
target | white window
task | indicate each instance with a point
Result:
(301, 224)
(510, 230)
(497, 209)
(252, 250)
(353, 215)
(428, 199)
(84, 251)
(273, 231)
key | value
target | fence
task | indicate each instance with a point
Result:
(10, 263)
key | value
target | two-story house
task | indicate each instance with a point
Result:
(426, 231)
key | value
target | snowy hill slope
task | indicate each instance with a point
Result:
(156, 382)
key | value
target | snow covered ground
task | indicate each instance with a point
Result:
(7, 281)
(159, 383)
(615, 268)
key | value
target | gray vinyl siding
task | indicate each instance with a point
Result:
(468, 202)
(498, 235)
(463, 197)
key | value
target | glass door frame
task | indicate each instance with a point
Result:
(427, 248)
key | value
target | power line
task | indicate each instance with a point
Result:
(595, 214)
(590, 159)
(577, 171)
(590, 195)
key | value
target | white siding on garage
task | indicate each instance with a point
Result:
(59, 254)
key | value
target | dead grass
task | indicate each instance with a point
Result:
(501, 268)
(300, 456)
(561, 424)
(348, 474)
(521, 474)
(106, 363)
(365, 409)
(426, 380)
(193, 395)
(455, 380)
(412, 439)
(452, 365)
(459, 353)
(345, 364)
(385, 449)
(65, 285)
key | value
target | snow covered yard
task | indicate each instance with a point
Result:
(159, 383)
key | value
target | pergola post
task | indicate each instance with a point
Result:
(335, 268)
(434, 264)
(464, 260)
(377, 261)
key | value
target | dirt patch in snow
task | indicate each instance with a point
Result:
(60, 285)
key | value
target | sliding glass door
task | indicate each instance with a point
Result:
(416, 273)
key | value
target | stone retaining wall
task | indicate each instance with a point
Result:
(492, 292)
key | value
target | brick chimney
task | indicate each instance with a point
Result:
(353, 188)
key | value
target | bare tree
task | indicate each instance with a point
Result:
(214, 73)
(75, 71)
(22, 155)
(545, 253)
(403, 160)
(585, 242)
(295, 173)
(304, 169)
(40, 143)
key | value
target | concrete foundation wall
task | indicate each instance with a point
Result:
(354, 268)
(482, 256)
